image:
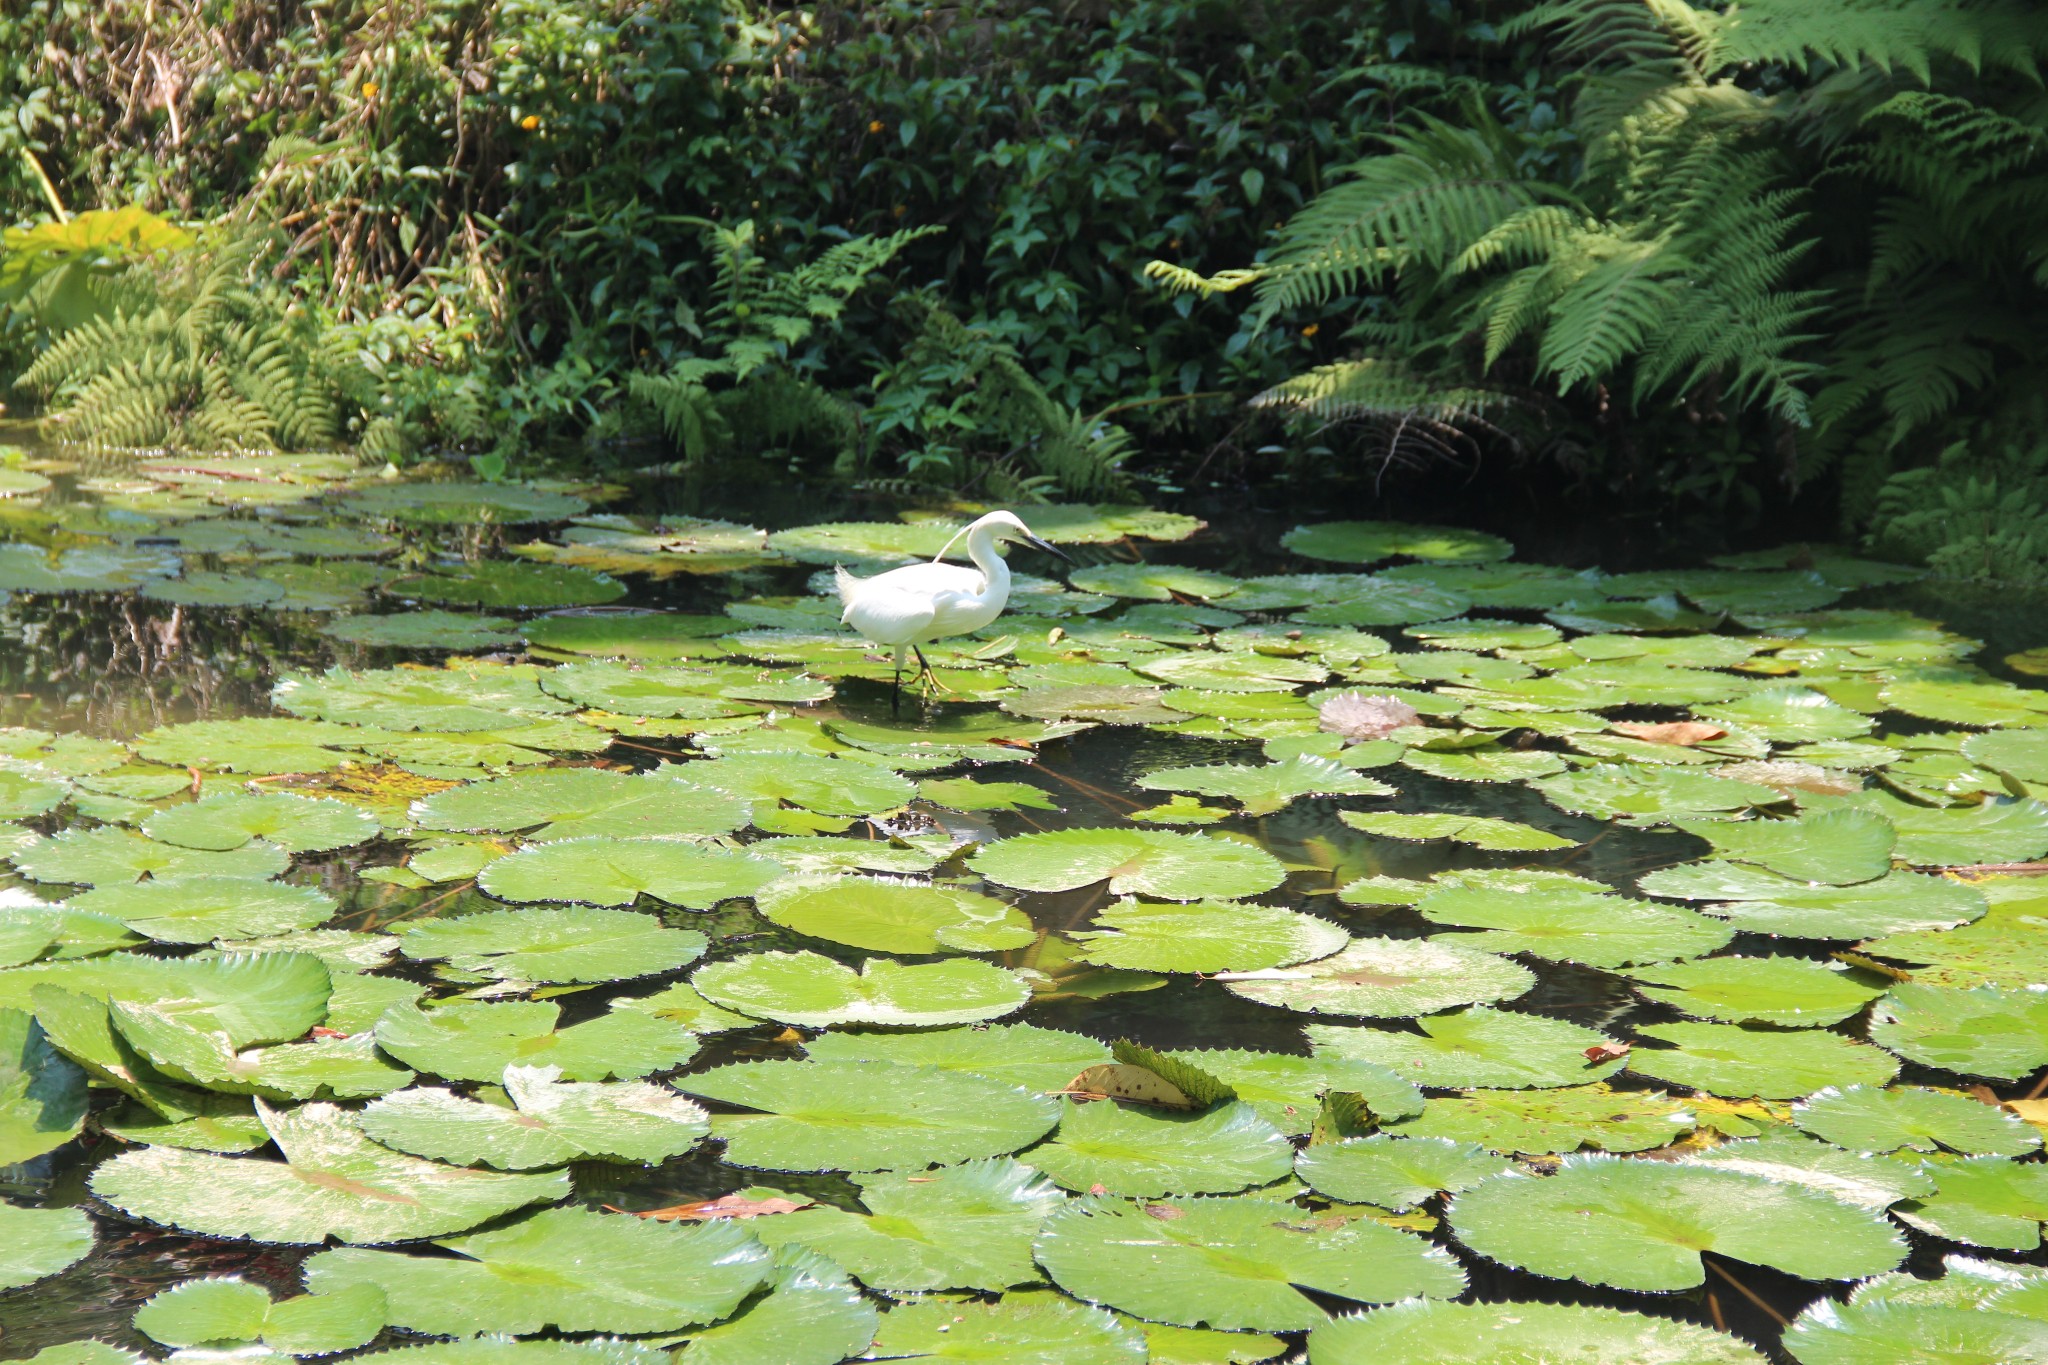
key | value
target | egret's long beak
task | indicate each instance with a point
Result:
(1055, 551)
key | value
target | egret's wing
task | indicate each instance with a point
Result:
(889, 615)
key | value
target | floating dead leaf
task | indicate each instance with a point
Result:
(1165, 1213)
(1358, 717)
(726, 1206)
(1607, 1052)
(2033, 1111)
(1787, 776)
(1871, 964)
(1685, 732)
(1132, 1084)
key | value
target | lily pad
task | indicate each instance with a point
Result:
(1287, 1090)
(1837, 847)
(816, 992)
(42, 1092)
(617, 872)
(1135, 1151)
(572, 1269)
(825, 786)
(1515, 1333)
(1649, 795)
(811, 1314)
(203, 909)
(41, 1242)
(1366, 542)
(1206, 937)
(295, 824)
(580, 944)
(230, 1309)
(472, 696)
(867, 1116)
(1386, 978)
(333, 1182)
(1791, 1158)
(113, 856)
(475, 1041)
(1789, 714)
(1758, 990)
(1740, 1062)
(1765, 903)
(1237, 1264)
(573, 803)
(1264, 788)
(895, 917)
(258, 745)
(1038, 1059)
(1866, 1118)
(1570, 925)
(1478, 1047)
(1985, 1201)
(1642, 1225)
(1829, 1333)
(1479, 831)
(1546, 1121)
(1395, 1172)
(501, 583)
(1160, 863)
(1987, 1031)
(453, 504)
(1019, 1329)
(1152, 582)
(436, 630)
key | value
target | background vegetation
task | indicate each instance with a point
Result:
(1692, 255)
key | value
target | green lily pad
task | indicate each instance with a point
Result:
(430, 629)
(1793, 1159)
(1649, 795)
(1478, 1047)
(1828, 1333)
(1995, 831)
(473, 1041)
(651, 636)
(2008, 947)
(1206, 937)
(1141, 862)
(1789, 714)
(1642, 1225)
(1765, 903)
(617, 872)
(574, 1269)
(30, 568)
(580, 944)
(295, 824)
(454, 504)
(1570, 925)
(1758, 990)
(1479, 831)
(1483, 765)
(572, 803)
(23, 795)
(112, 856)
(1122, 704)
(1963, 702)
(1134, 1151)
(42, 1092)
(1239, 1264)
(1514, 1333)
(635, 690)
(811, 1314)
(1986, 1201)
(895, 917)
(1287, 1090)
(817, 855)
(1383, 600)
(867, 1116)
(1545, 1121)
(501, 583)
(959, 1227)
(250, 997)
(1038, 1059)
(472, 696)
(2021, 754)
(1386, 978)
(1395, 1172)
(333, 1182)
(1366, 542)
(1740, 1062)
(258, 745)
(41, 1242)
(1264, 788)
(965, 793)
(1988, 1031)
(1152, 582)
(230, 1309)
(1866, 1118)
(1837, 847)
(816, 992)
(1037, 1329)
(202, 909)
(825, 786)
(862, 542)
(1232, 673)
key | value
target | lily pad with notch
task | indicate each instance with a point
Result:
(1763, 902)
(1570, 925)
(1539, 1122)
(617, 872)
(1264, 788)
(475, 1040)
(569, 803)
(895, 917)
(816, 992)
(1038, 1059)
(583, 944)
(1865, 1118)
(1205, 937)
(1131, 1150)
(1144, 862)
(1985, 1031)
(296, 824)
(1479, 1047)
(1786, 991)
(1513, 1333)
(1386, 978)
(1739, 1061)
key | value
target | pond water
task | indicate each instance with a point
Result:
(1196, 692)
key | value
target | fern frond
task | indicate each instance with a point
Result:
(1178, 279)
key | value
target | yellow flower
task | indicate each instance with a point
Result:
(530, 122)
(1311, 329)
(900, 210)
(369, 90)
(875, 126)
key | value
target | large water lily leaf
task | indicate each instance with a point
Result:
(1264, 788)
(815, 855)
(1649, 795)
(1136, 862)
(426, 630)
(1838, 847)
(456, 503)
(41, 1242)
(1477, 830)
(1235, 672)
(1879, 1333)
(580, 944)
(1765, 903)
(1959, 701)
(109, 854)
(1985, 1201)
(2022, 754)
(473, 1041)
(1570, 925)
(1395, 1172)
(1387, 978)
(824, 786)
(617, 872)
(895, 917)
(31, 929)
(1865, 1118)
(549, 1122)
(29, 568)
(1995, 831)
(333, 1182)
(1239, 1264)
(1383, 601)
(469, 697)
(1038, 1059)
(258, 745)
(1515, 1333)
(811, 1314)
(1479, 1047)
(1205, 937)
(1986, 1031)
(867, 1116)
(1759, 990)
(2007, 947)
(572, 803)
(200, 1313)
(960, 1227)
(1039, 1328)
(634, 690)
(573, 1269)
(500, 583)
(1366, 542)
(202, 909)
(1544, 1121)
(1790, 1158)
(1152, 582)
(817, 992)
(25, 794)
(1137, 1151)
(1789, 714)
(252, 998)
(1740, 1062)
(42, 1092)
(1287, 1090)
(1642, 1226)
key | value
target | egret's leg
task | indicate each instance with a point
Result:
(925, 674)
(896, 685)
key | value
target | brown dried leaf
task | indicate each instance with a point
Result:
(1685, 732)
(726, 1206)
(1359, 717)
(1607, 1052)
(1133, 1084)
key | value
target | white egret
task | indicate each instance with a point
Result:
(905, 607)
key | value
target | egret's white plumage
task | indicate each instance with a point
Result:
(907, 607)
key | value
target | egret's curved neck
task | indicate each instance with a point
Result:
(981, 548)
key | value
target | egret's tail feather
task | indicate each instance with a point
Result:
(847, 586)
